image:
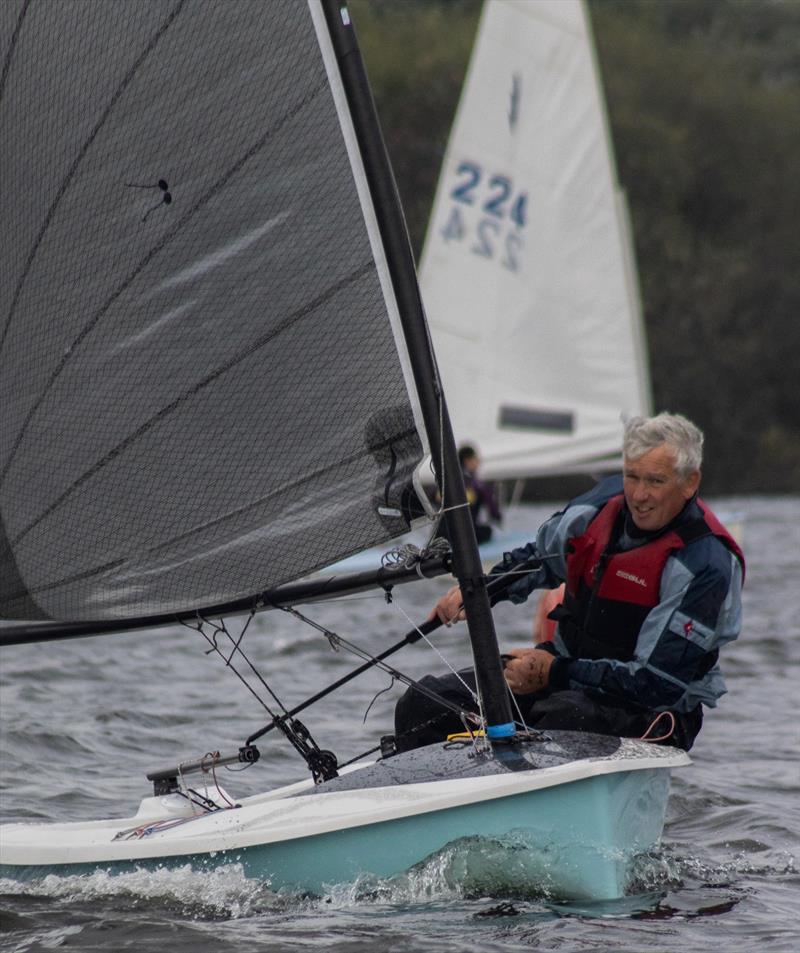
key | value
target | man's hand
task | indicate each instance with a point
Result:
(528, 670)
(449, 609)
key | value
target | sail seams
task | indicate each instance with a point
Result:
(12, 46)
(152, 254)
(233, 362)
(95, 571)
(65, 184)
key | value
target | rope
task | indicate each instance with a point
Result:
(430, 644)
(654, 722)
(337, 640)
(407, 556)
(375, 697)
(212, 640)
(359, 757)
(296, 733)
(511, 571)
(214, 756)
(185, 788)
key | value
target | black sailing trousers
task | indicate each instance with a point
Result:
(420, 720)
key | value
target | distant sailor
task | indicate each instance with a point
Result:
(653, 591)
(480, 495)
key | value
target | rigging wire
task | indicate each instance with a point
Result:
(322, 764)
(465, 716)
(475, 697)
(430, 645)
(515, 703)
(218, 629)
(319, 762)
(336, 640)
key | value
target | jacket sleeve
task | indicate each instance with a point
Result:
(675, 660)
(553, 540)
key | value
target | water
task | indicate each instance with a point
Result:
(82, 722)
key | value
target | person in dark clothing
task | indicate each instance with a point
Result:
(653, 586)
(480, 496)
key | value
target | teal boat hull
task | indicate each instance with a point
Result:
(572, 841)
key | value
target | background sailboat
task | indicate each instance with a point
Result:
(527, 273)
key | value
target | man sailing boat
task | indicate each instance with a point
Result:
(653, 591)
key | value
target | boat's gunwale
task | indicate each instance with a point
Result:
(285, 815)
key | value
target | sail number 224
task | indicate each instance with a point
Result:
(487, 213)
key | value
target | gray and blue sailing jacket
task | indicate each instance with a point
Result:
(645, 614)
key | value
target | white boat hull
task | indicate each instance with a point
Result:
(575, 825)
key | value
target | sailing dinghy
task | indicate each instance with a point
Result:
(528, 273)
(216, 378)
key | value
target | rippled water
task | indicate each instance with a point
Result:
(82, 722)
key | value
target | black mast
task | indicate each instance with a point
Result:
(467, 564)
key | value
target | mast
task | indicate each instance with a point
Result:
(467, 564)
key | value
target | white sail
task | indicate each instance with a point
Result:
(527, 274)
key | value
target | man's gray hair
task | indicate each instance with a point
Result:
(643, 434)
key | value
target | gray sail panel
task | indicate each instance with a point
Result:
(201, 390)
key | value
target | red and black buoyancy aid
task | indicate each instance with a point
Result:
(609, 594)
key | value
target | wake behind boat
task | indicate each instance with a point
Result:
(197, 256)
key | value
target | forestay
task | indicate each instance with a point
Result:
(527, 274)
(204, 390)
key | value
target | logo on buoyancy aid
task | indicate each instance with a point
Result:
(631, 578)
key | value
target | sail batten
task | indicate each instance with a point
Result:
(205, 393)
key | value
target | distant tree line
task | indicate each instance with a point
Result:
(704, 105)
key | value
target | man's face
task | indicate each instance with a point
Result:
(653, 491)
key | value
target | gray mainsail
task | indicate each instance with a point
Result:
(204, 390)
